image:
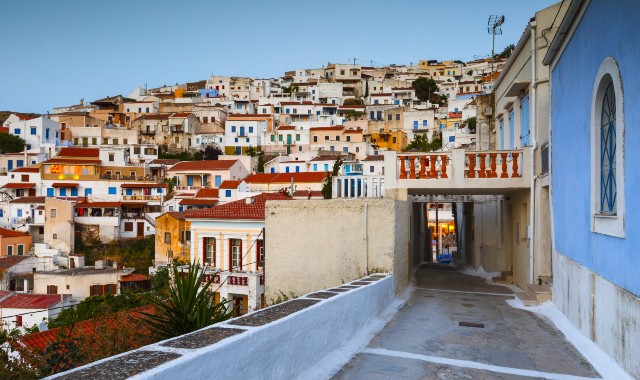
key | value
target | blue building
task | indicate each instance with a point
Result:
(595, 121)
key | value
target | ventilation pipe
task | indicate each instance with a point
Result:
(534, 146)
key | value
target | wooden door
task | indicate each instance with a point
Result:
(140, 230)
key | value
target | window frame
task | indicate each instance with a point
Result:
(606, 223)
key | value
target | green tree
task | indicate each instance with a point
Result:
(11, 143)
(420, 143)
(327, 185)
(211, 153)
(353, 102)
(425, 88)
(260, 168)
(471, 123)
(506, 53)
(251, 151)
(189, 306)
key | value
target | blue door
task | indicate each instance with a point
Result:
(512, 131)
(241, 131)
(524, 121)
(10, 165)
(74, 192)
(218, 180)
(129, 191)
(189, 180)
(51, 192)
(63, 192)
(19, 163)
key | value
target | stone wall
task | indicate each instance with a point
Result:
(317, 244)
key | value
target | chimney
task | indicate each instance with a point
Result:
(249, 200)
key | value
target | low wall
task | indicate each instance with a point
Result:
(308, 343)
(316, 244)
(607, 314)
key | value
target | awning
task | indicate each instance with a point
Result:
(21, 185)
(65, 185)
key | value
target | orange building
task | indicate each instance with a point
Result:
(14, 243)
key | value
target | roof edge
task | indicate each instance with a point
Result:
(563, 30)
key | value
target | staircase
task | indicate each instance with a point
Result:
(150, 219)
(505, 278)
(536, 294)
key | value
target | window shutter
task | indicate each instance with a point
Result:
(91, 292)
(103, 289)
(240, 253)
(230, 255)
(204, 250)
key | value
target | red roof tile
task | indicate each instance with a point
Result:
(4, 130)
(203, 165)
(357, 130)
(134, 277)
(160, 116)
(287, 128)
(164, 161)
(30, 301)
(241, 209)
(229, 184)
(207, 192)
(374, 158)
(26, 169)
(28, 200)
(9, 261)
(180, 114)
(143, 185)
(453, 115)
(325, 158)
(308, 193)
(11, 233)
(79, 152)
(64, 184)
(198, 202)
(19, 185)
(307, 177)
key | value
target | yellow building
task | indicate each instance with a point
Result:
(387, 139)
(173, 238)
(454, 121)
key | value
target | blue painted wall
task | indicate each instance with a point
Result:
(605, 30)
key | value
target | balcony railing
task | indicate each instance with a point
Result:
(149, 132)
(177, 129)
(189, 187)
(116, 177)
(485, 164)
(424, 165)
(152, 198)
(237, 280)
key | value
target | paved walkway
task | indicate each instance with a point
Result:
(457, 326)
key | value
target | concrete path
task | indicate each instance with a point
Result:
(457, 326)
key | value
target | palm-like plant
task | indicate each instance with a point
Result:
(188, 306)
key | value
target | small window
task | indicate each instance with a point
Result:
(53, 212)
(19, 321)
(33, 130)
(128, 226)
(167, 238)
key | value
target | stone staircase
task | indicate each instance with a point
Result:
(534, 294)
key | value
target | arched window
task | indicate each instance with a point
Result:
(607, 151)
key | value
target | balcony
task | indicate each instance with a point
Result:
(147, 132)
(187, 188)
(177, 129)
(117, 177)
(150, 198)
(459, 171)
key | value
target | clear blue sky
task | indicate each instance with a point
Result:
(56, 52)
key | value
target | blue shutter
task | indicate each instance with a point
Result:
(63, 192)
(10, 165)
(415, 124)
(51, 192)
(74, 192)
(502, 134)
(189, 180)
(112, 190)
(129, 191)
(511, 130)
(524, 121)
(87, 191)
(218, 180)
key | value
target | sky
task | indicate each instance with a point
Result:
(58, 52)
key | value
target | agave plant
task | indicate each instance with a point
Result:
(188, 307)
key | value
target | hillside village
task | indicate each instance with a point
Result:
(98, 171)
(444, 219)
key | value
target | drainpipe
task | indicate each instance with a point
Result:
(366, 239)
(534, 146)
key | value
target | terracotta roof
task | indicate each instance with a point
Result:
(453, 115)
(57, 160)
(198, 202)
(207, 192)
(26, 169)
(98, 204)
(143, 185)
(242, 209)
(228, 184)
(336, 128)
(374, 158)
(162, 161)
(287, 128)
(9, 261)
(86, 328)
(357, 130)
(79, 152)
(28, 200)
(30, 301)
(203, 165)
(19, 185)
(307, 177)
(25, 117)
(4, 130)
(180, 114)
(64, 184)
(134, 277)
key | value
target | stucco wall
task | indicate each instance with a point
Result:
(312, 245)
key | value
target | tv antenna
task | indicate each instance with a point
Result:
(494, 28)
